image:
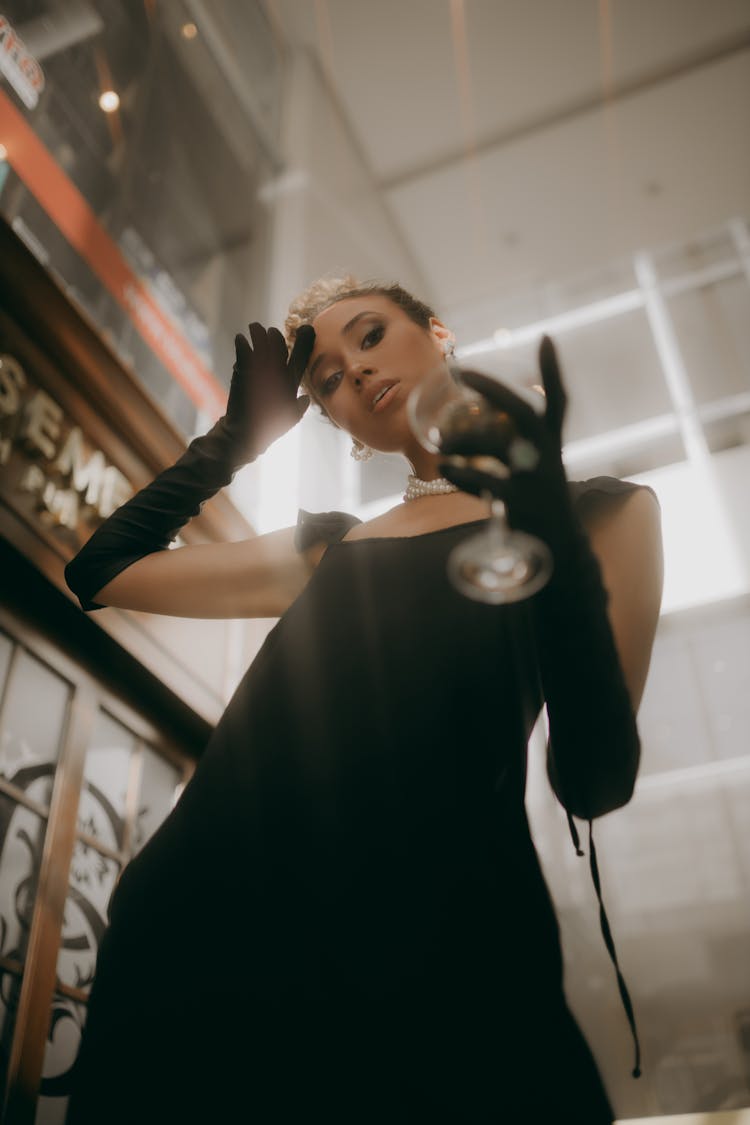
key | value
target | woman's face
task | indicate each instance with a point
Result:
(368, 356)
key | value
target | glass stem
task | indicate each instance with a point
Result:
(498, 526)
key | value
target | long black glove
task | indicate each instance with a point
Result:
(262, 405)
(594, 748)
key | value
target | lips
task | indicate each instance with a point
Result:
(380, 394)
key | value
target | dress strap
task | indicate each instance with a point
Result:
(321, 527)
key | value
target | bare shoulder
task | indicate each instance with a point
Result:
(625, 532)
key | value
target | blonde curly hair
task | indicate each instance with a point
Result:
(326, 291)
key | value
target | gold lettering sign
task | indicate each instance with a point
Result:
(45, 457)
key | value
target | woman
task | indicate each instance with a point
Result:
(344, 917)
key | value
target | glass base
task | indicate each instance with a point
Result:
(481, 569)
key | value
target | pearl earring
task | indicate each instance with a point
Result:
(359, 451)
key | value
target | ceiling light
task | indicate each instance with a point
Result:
(109, 101)
(189, 31)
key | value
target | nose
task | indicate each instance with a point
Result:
(359, 372)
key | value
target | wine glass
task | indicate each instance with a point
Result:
(498, 565)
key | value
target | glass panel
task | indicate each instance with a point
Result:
(675, 868)
(707, 250)
(10, 988)
(21, 844)
(33, 726)
(679, 884)
(730, 431)
(84, 289)
(696, 706)
(614, 375)
(672, 718)
(92, 880)
(721, 652)
(173, 173)
(66, 1026)
(159, 786)
(6, 648)
(559, 296)
(713, 331)
(101, 811)
(639, 457)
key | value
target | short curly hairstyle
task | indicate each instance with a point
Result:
(326, 291)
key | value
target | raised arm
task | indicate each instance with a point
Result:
(126, 563)
(625, 535)
(594, 622)
(595, 629)
(258, 577)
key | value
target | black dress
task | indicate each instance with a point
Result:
(344, 918)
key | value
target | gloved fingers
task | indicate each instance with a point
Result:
(238, 387)
(243, 352)
(525, 418)
(257, 334)
(277, 348)
(301, 352)
(554, 389)
(259, 338)
(269, 352)
(280, 356)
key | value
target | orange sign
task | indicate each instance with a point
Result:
(73, 216)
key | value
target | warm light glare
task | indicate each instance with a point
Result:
(3, 152)
(189, 30)
(109, 101)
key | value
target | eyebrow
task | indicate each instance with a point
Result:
(347, 328)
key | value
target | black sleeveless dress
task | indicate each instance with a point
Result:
(344, 918)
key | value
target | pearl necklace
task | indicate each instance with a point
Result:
(416, 487)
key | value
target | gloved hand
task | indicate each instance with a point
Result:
(263, 402)
(262, 405)
(593, 750)
(535, 493)
(593, 753)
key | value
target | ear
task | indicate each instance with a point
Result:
(442, 335)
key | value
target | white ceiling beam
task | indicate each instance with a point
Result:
(596, 100)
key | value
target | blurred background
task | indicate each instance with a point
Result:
(576, 167)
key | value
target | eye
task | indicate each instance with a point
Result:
(373, 337)
(329, 384)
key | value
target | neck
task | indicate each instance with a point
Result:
(423, 464)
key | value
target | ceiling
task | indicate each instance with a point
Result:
(509, 157)
(523, 144)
